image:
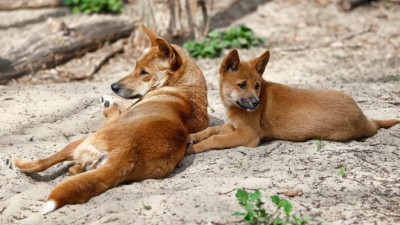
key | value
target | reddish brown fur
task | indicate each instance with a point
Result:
(146, 140)
(284, 112)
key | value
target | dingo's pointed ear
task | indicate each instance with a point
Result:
(261, 62)
(167, 51)
(231, 62)
(150, 34)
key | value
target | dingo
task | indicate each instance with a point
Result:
(260, 110)
(141, 141)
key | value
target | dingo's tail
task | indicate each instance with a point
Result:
(386, 123)
(81, 188)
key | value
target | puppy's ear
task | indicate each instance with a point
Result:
(150, 34)
(169, 52)
(261, 62)
(231, 62)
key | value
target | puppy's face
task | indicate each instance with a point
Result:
(240, 82)
(152, 71)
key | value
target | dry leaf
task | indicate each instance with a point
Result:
(293, 193)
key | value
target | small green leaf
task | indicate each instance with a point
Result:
(243, 28)
(278, 221)
(75, 10)
(249, 207)
(255, 195)
(276, 200)
(67, 2)
(287, 207)
(242, 196)
(249, 217)
(147, 207)
(239, 213)
(214, 33)
(342, 172)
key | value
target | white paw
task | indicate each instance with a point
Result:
(106, 101)
(10, 164)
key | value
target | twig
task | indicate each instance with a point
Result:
(266, 154)
(394, 135)
(227, 222)
(251, 189)
(357, 33)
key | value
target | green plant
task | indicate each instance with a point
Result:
(94, 6)
(146, 207)
(212, 110)
(342, 172)
(239, 164)
(255, 213)
(318, 143)
(212, 45)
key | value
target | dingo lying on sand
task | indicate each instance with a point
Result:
(261, 110)
(140, 141)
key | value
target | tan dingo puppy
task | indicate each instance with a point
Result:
(261, 110)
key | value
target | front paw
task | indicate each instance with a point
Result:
(106, 101)
(192, 139)
(189, 150)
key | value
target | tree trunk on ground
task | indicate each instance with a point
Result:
(348, 5)
(28, 4)
(175, 20)
(59, 44)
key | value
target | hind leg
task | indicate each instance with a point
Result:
(32, 166)
(370, 129)
(367, 128)
(76, 169)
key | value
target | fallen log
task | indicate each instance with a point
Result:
(348, 5)
(88, 65)
(28, 4)
(60, 43)
(37, 18)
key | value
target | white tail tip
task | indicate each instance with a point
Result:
(49, 206)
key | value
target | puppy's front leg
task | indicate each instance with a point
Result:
(209, 131)
(239, 137)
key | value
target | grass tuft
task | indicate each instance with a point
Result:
(212, 45)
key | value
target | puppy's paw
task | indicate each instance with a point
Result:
(191, 140)
(106, 101)
(189, 151)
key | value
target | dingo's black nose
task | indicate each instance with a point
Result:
(255, 102)
(115, 87)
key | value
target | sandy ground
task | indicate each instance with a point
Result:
(312, 45)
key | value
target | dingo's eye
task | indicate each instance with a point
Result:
(143, 72)
(257, 86)
(242, 85)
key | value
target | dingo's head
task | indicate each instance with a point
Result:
(240, 82)
(152, 71)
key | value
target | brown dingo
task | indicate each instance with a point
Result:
(260, 110)
(140, 141)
